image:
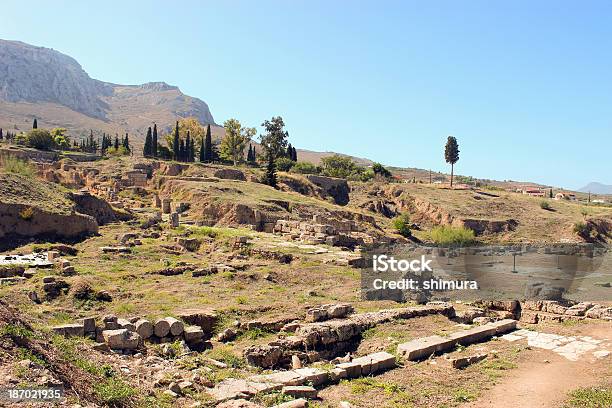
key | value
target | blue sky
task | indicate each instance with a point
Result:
(526, 87)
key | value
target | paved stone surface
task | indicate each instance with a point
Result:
(570, 347)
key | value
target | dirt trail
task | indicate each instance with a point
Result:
(542, 382)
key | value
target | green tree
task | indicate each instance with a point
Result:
(284, 164)
(35, 124)
(126, 143)
(60, 138)
(270, 175)
(176, 143)
(208, 147)
(235, 140)
(187, 157)
(380, 170)
(338, 166)
(148, 146)
(154, 141)
(451, 154)
(274, 140)
(116, 145)
(40, 139)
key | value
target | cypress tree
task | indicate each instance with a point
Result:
(126, 142)
(35, 124)
(116, 146)
(175, 144)
(148, 144)
(289, 151)
(1, 135)
(294, 154)
(270, 172)
(187, 157)
(154, 141)
(208, 156)
(192, 151)
(202, 151)
(181, 155)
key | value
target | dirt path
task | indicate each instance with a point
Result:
(542, 382)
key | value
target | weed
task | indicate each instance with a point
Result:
(590, 398)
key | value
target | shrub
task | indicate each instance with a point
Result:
(82, 290)
(452, 236)
(545, 205)
(581, 229)
(305, 168)
(26, 214)
(284, 164)
(380, 170)
(40, 139)
(402, 225)
(10, 164)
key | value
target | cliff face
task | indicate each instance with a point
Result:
(37, 74)
(46, 84)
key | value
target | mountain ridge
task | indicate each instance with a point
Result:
(44, 83)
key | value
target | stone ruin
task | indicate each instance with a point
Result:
(194, 328)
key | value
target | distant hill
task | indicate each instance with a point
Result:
(597, 188)
(38, 82)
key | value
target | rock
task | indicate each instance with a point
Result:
(345, 404)
(238, 403)
(101, 347)
(165, 205)
(297, 403)
(295, 362)
(300, 391)
(230, 174)
(190, 244)
(170, 394)
(482, 320)
(206, 319)
(121, 339)
(174, 220)
(184, 386)
(227, 335)
(126, 324)
(579, 310)
(462, 362)
(115, 250)
(104, 296)
(110, 322)
(600, 354)
(161, 328)
(48, 279)
(174, 387)
(176, 326)
(144, 328)
(33, 296)
(193, 334)
(70, 330)
(599, 312)
(89, 324)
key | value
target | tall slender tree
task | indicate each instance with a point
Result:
(154, 141)
(202, 154)
(208, 150)
(116, 145)
(187, 157)
(148, 146)
(35, 124)
(175, 143)
(270, 177)
(126, 143)
(1, 135)
(451, 154)
(192, 149)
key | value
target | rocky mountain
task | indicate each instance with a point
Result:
(597, 188)
(46, 84)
